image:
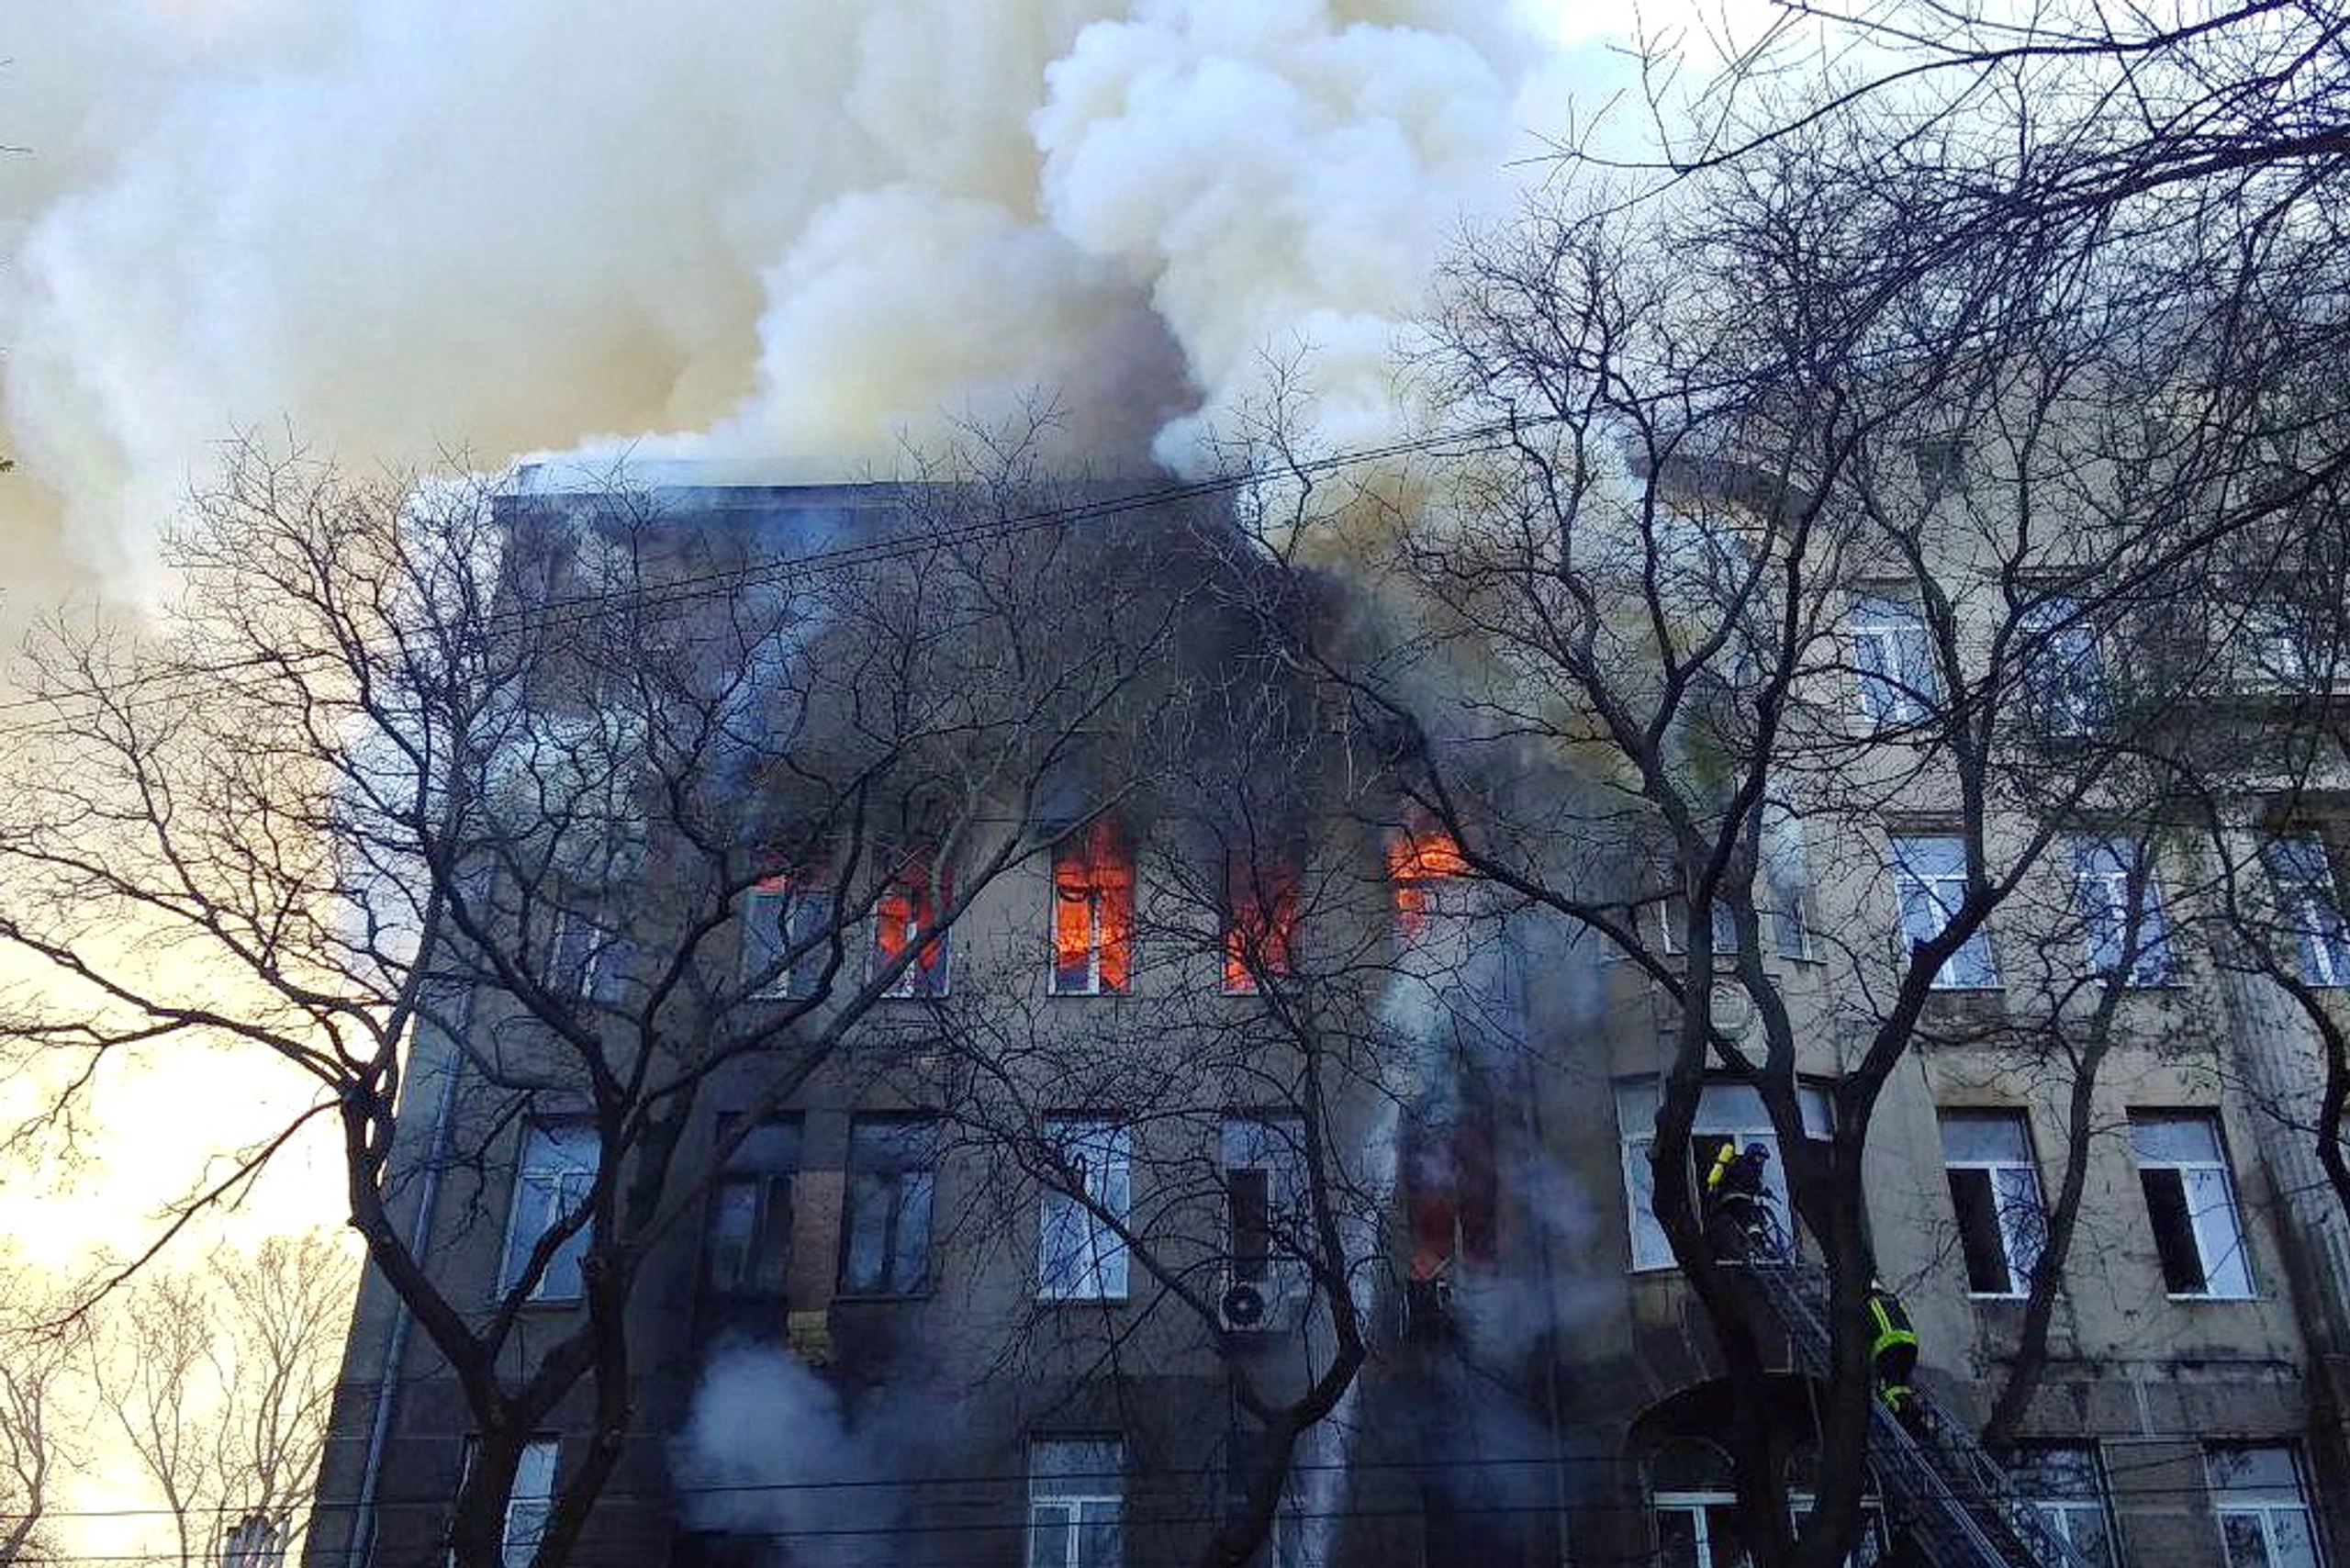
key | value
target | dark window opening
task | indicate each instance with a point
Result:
(2173, 1222)
(1251, 1194)
(891, 1176)
(1979, 1235)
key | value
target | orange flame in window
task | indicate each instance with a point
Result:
(907, 910)
(1415, 858)
(1260, 929)
(1093, 911)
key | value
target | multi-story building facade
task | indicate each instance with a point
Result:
(1214, 1123)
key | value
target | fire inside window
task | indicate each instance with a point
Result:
(1093, 912)
(907, 913)
(1261, 923)
(1418, 860)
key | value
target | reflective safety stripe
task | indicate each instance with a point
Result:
(1892, 1325)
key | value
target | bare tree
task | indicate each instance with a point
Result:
(38, 1434)
(219, 1380)
(538, 805)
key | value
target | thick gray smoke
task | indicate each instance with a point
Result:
(791, 233)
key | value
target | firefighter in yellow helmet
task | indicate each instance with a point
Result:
(1734, 1198)
(1893, 1350)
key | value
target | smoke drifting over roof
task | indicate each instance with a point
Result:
(786, 232)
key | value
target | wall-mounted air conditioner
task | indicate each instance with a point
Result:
(1262, 1305)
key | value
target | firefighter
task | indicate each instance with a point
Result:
(1893, 1350)
(1735, 1199)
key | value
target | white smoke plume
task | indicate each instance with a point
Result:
(785, 232)
(770, 1453)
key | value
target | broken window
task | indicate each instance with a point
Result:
(1260, 921)
(1930, 886)
(748, 1250)
(1079, 1256)
(1994, 1192)
(1076, 1492)
(1728, 1113)
(1420, 863)
(1093, 911)
(2065, 1485)
(553, 1178)
(2191, 1202)
(892, 1172)
(905, 915)
(2262, 1504)
(2121, 909)
(2308, 907)
(1895, 659)
(787, 923)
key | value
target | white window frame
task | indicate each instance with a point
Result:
(1892, 657)
(2102, 866)
(1928, 885)
(778, 914)
(2308, 900)
(585, 958)
(2215, 1221)
(554, 1168)
(1079, 1256)
(1076, 1484)
(1273, 1143)
(2277, 1513)
(1724, 1110)
(2062, 1511)
(894, 1169)
(2064, 671)
(920, 978)
(2011, 1181)
(529, 1504)
(1698, 1506)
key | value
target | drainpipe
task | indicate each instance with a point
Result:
(359, 1549)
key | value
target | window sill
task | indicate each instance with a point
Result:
(2205, 1298)
(880, 1298)
(1083, 1300)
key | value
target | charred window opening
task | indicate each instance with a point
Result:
(1259, 923)
(892, 1173)
(1450, 1195)
(747, 1254)
(1419, 862)
(906, 916)
(1093, 912)
(1251, 1194)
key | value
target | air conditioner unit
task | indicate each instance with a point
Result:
(1256, 1306)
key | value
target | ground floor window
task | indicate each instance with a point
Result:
(1076, 1492)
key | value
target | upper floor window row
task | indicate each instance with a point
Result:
(2121, 926)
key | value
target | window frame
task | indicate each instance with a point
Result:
(2102, 865)
(2230, 1260)
(2265, 1511)
(2019, 1249)
(523, 1521)
(911, 1180)
(2063, 678)
(1899, 682)
(566, 1185)
(1637, 1100)
(1095, 866)
(2058, 1501)
(1974, 965)
(1059, 1486)
(910, 899)
(1098, 1268)
(2308, 888)
(769, 1239)
(804, 903)
(585, 958)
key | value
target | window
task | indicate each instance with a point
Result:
(1259, 923)
(1079, 1256)
(527, 1504)
(892, 1172)
(2262, 1507)
(2103, 871)
(2192, 1203)
(785, 923)
(1093, 911)
(2064, 676)
(1995, 1190)
(907, 913)
(1727, 1113)
(748, 1252)
(552, 1178)
(2308, 907)
(1895, 659)
(1264, 1185)
(1930, 884)
(2066, 1486)
(1424, 866)
(585, 961)
(1075, 1492)
(2279, 651)
(1785, 880)
(1699, 1529)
